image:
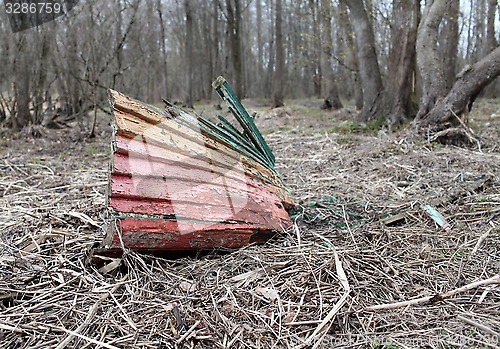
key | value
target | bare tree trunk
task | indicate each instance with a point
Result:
(268, 91)
(451, 44)
(353, 61)
(367, 59)
(216, 68)
(159, 9)
(118, 40)
(470, 81)
(22, 84)
(480, 29)
(331, 93)
(402, 60)
(189, 52)
(491, 41)
(280, 60)
(22, 96)
(234, 27)
(429, 61)
(490, 30)
(40, 88)
(315, 50)
(260, 47)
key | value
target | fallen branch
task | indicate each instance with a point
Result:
(437, 297)
(10, 328)
(478, 325)
(479, 242)
(188, 333)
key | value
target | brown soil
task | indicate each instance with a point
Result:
(347, 183)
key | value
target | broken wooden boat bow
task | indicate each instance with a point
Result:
(179, 182)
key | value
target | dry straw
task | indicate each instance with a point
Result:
(330, 281)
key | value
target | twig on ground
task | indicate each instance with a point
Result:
(437, 297)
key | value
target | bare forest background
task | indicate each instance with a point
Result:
(389, 58)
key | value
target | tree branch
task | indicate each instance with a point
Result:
(437, 297)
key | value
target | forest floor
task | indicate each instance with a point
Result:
(359, 193)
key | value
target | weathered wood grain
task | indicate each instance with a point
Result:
(138, 149)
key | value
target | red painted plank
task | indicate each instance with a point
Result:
(251, 213)
(177, 137)
(154, 242)
(142, 147)
(220, 191)
(195, 200)
(136, 148)
(191, 226)
(231, 178)
(180, 190)
(139, 166)
(165, 234)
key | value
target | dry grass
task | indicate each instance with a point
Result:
(287, 293)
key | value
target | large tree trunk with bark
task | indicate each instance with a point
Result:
(470, 81)
(367, 59)
(402, 61)
(343, 22)
(429, 59)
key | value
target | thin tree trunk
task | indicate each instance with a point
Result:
(316, 50)
(40, 88)
(238, 51)
(331, 93)
(159, 8)
(268, 91)
(215, 42)
(371, 79)
(234, 27)
(189, 52)
(22, 84)
(429, 61)
(490, 30)
(260, 44)
(480, 29)
(280, 60)
(492, 90)
(451, 44)
(470, 81)
(118, 39)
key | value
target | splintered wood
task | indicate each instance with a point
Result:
(180, 183)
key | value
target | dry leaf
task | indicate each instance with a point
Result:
(187, 286)
(267, 293)
(110, 266)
